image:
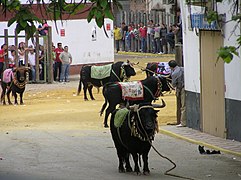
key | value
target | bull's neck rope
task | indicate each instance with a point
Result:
(20, 85)
(159, 87)
(135, 129)
(122, 74)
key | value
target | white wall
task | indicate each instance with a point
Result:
(78, 36)
(233, 69)
(191, 53)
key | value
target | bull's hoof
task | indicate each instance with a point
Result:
(92, 99)
(122, 170)
(106, 125)
(146, 173)
(129, 169)
(86, 99)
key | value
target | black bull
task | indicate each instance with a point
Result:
(134, 136)
(17, 85)
(153, 88)
(119, 72)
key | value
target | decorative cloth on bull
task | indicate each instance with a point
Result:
(163, 68)
(132, 90)
(8, 75)
(120, 117)
(100, 72)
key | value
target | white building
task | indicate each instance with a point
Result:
(213, 95)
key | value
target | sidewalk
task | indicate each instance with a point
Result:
(203, 139)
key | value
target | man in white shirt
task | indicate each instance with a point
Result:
(32, 63)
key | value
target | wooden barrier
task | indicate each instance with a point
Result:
(48, 59)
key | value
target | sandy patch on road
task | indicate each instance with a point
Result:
(56, 106)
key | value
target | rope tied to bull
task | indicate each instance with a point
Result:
(122, 74)
(148, 139)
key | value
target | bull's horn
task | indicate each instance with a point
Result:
(159, 105)
(166, 76)
(135, 63)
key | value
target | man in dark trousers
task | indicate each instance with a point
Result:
(58, 63)
(177, 75)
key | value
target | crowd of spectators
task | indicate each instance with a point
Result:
(16, 57)
(153, 37)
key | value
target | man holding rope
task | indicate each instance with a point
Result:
(177, 75)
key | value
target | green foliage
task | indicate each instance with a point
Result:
(100, 11)
(236, 17)
(212, 16)
(24, 19)
(227, 52)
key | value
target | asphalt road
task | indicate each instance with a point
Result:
(90, 154)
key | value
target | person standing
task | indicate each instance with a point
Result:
(177, 75)
(157, 41)
(143, 35)
(136, 38)
(32, 63)
(163, 33)
(66, 59)
(150, 36)
(3, 53)
(117, 37)
(21, 53)
(58, 63)
(124, 30)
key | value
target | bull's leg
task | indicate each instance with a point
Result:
(135, 158)
(8, 96)
(15, 97)
(121, 160)
(107, 113)
(3, 96)
(85, 90)
(90, 87)
(109, 110)
(128, 165)
(21, 98)
(146, 170)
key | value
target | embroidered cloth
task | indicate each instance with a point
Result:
(132, 90)
(163, 68)
(100, 72)
(8, 76)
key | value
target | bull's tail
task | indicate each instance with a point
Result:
(105, 103)
(79, 87)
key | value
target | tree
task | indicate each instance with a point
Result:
(55, 9)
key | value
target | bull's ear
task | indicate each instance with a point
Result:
(128, 61)
(14, 69)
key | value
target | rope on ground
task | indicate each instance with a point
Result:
(174, 165)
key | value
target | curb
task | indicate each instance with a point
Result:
(169, 133)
